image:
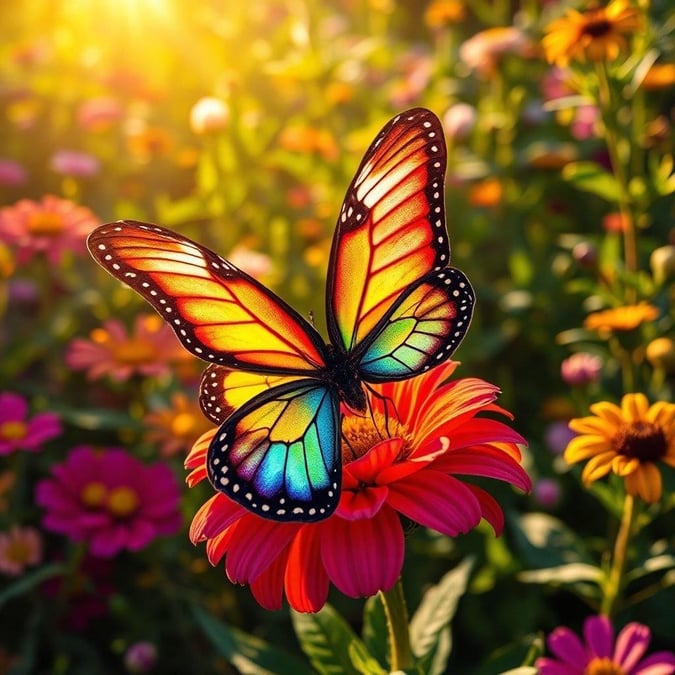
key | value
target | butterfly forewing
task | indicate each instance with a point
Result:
(218, 312)
(424, 328)
(391, 229)
(279, 455)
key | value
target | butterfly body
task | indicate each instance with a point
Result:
(394, 309)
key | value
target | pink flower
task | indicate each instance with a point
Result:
(546, 493)
(581, 368)
(112, 351)
(50, 227)
(74, 163)
(483, 51)
(19, 548)
(459, 120)
(601, 653)
(18, 432)
(110, 500)
(12, 173)
(405, 461)
(99, 114)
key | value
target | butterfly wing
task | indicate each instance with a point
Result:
(391, 229)
(222, 390)
(279, 454)
(424, 327)
(218, 312)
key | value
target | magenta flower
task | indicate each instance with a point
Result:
(602, 654)
(110, 500)
(581, 368)
(18, 432)
(12, 174)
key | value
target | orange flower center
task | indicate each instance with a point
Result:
(93, 494)
(19, 551)
(122, 501)
(45, 223)
(13, 430)
(183, 424)
(597, 28)
(642, 440)
(360, 434)
(134, 352)
(603, 666)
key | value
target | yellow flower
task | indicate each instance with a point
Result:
(629, 440)
(440, 13)
(659, 76)
(623, 318)
(597, 35)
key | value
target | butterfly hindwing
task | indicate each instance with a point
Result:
(279, 454)
(222, 390)
(391, 229)
(425, 326)
(218, 312)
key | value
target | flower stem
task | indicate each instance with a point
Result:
(396, 612)
(614, 583)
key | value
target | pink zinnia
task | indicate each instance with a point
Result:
(74, 163)
(581, 368)
(110, 499)
(18, 431)
(404, 463)
(602, 654)
(112, 351)
(49, 227)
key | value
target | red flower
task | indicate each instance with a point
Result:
(403, 463)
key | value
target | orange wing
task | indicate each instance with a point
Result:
(391, 229)
(218, 312)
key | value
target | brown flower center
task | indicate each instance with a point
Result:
(603, 666)
(14, 430)
(122, 501)
(642, 440)
(19, 551)
(45, 223)
(598, 28)
(135, 352)
(361, 433)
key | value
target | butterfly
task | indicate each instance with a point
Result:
(394, 310)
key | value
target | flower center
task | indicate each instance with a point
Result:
(19, 552)
(361, 433)
(45, 223)
(93, 494)
(603, 666)
(134, 352)
(182, 424)
(13, 430)
(598, 28)
(643, 440)
(122, 501)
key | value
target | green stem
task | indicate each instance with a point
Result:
(396, 612)
(619, 164)
(614, 584)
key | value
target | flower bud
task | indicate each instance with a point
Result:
(546, 493)
(662, 262)
(580, 369)
(141, 657)
(661, 354)
(209, 115)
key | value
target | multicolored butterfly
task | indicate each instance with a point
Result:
(394, 309)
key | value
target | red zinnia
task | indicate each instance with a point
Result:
(402, 463)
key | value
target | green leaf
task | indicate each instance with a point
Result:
(430, 636)
(562, 574)
(591, 177)
(363, 660)
(328, 641)
(248, 654)
(29, 581)
(374, 633)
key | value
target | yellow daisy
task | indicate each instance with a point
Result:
(630, 440)
(596, 35)
(628, 317)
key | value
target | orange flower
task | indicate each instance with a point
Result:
(630, 441)
(177, 427)
(596, 35)
(625, 318)
(487, 193)
(440, 13)
(659, 76)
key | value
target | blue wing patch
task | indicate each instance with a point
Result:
(279, 455)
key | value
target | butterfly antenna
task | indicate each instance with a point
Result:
(310, 316)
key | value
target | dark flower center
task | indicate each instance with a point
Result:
(643, 440)
(597, 28)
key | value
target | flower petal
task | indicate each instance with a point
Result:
(361, 503)
(365, 556)
(489, 507)
(658, 663)
(546, 666)
(438, 501)
(268, 588)
(645, 482)
(568, 648)
(215, 515)
(367, 467)
(597, 467)
(631, 644)
(306, 581)
(583, 447)
(599, 635)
